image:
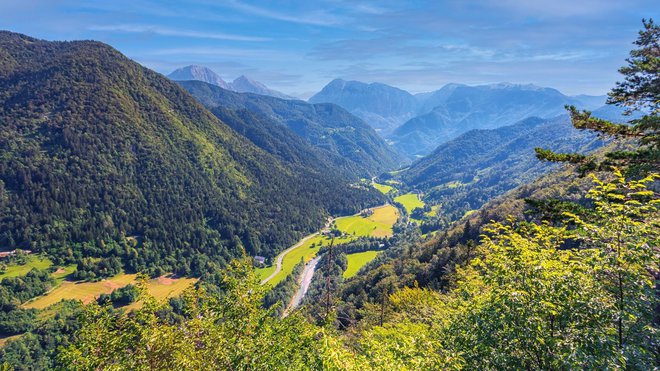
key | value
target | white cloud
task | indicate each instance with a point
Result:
(158, 30)
(318, 18)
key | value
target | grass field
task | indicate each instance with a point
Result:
(434, 210)
(160, 288)
(410, 201)
(383, 188)
(357, 261)
(165, 287)
(32, 261)
(379, 224)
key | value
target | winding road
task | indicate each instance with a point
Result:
(280, 257)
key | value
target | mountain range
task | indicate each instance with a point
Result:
(382, 106)
(338, 137)
(241, 84)
(417, 124)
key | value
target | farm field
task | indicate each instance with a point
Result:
(410, 201)
(164, 287)
(383, 188)
(61, 273)
(32, 261)
(379, 224)
(357, 261)
(160, 288)
(434, 210)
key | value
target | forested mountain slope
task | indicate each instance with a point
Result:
(96, 147)
(464, 173)
(325, 126)
(288, 146)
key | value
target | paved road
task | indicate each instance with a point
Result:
(280, 257)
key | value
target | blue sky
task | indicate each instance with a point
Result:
(297, 47)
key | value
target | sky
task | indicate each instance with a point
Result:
(297, 47)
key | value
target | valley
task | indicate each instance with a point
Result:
(159, 209)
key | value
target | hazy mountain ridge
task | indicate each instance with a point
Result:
(458, 109)
(325, 126)
(382, 106)
(241, 84)
(432, 118)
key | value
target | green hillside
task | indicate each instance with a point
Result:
(465, 173)
(96, 147)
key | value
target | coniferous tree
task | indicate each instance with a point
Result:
(638, 92)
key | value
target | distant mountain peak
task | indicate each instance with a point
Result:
(382, 106)
(241, 84)
(244, 82)
(199, 73)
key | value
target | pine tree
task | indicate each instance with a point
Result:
(638, 92)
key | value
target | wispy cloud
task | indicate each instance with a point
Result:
(159, 30)
(317, 18)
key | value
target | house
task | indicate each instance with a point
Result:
(260, 260)
(6, 254)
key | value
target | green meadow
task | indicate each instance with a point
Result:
(383, 188)
(32, 261)
(410, 201)
(379, 224)
(357, 261)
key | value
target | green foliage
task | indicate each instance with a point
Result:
(229, 331)
(641, 86)
(36, 350)
(530, 302)
(16, 321)
(94, 269)
(17, 290)
(121, 296)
